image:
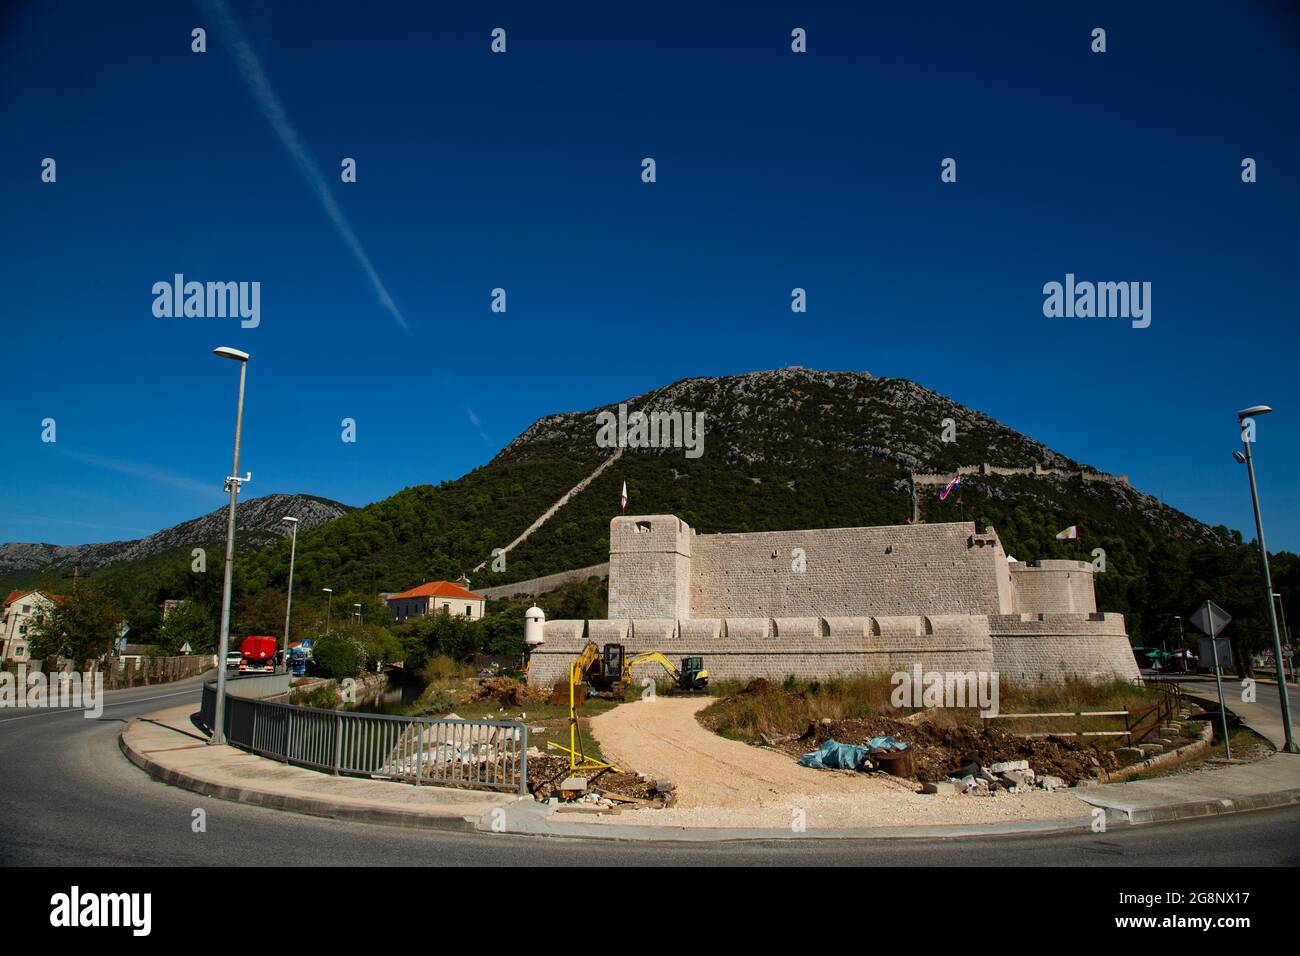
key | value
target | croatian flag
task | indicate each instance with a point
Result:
(1069, 533)
(948, 488)
(623, 504)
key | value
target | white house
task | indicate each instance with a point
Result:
(20, 608)
(434, 596)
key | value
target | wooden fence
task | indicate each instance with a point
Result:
(1138, 724)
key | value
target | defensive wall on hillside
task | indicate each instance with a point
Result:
(820, 603)
(938, 480)
(545, 583)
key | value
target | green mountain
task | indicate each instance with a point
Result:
(785, 449)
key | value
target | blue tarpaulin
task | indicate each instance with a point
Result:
(834, 755)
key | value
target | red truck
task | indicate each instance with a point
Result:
(257, 655)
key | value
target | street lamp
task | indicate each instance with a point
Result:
(329, 604)
(1181, 648)
(1244, 456)
(288, 601)
(232, 485)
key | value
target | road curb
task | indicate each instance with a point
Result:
(540, 820)
(311, 806)
(1204, 808)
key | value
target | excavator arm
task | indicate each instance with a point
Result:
(651, 657)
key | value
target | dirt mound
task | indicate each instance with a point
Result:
(506, 691)
(938, 750)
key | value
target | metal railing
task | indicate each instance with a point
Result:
(483, 754)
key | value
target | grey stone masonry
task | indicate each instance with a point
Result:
(814, 604)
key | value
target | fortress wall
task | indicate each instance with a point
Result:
(902, 569)
(1053, 587)
(744, 648)
(1049, 648)
(543, 584)
(1037, 471)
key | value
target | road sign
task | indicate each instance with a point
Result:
(1210, 619)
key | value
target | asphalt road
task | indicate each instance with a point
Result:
(69, 798)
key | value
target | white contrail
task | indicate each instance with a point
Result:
(149, 472)
(251, 72)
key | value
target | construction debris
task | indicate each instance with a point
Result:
(507, 692)
(939, 751)
(939, 744)
(547, 775)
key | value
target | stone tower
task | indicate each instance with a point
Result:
(649, 567)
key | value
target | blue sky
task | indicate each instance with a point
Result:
(522, 171)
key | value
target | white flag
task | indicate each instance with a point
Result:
(1069, 533)
(623, 504)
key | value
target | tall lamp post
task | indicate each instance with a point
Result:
(1244, 456)
(329, 606)
(288, 601)
(1182, 649)
(232, 485)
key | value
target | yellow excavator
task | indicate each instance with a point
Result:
(690, 678)
(608, 671)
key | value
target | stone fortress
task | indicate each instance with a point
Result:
(817, 604)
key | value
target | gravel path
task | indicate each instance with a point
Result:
(724, 783)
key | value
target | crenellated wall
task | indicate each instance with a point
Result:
(805, 648)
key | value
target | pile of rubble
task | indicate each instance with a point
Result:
(507, 692)
(549, 778)
(1013, 776)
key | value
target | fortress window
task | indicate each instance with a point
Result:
(643, 527)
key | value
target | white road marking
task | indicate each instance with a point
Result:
(73, 710)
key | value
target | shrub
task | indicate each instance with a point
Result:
(339, 656)
(321, 695)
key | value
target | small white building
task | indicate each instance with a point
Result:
(436, 596)
(20, 608)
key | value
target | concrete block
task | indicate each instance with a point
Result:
(573, 787)
(1018, 778)
(1150, 750)
(942, 787)
(1006, 765)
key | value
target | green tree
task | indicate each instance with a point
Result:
(191, 624)
(339, 656)
(82, 627)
